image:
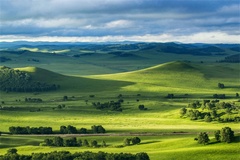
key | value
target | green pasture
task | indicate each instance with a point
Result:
(187, 81)
(162, 114)
(158, 147)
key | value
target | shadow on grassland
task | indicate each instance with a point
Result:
(236, 139)
(149, 142)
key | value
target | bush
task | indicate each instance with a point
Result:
(227, 135)
(203, 138)
(136, 140)
(98, 129)
(127, 141)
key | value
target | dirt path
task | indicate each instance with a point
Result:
(112, 134)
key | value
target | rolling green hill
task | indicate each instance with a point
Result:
(175, 134)
(181, 77)
(171, 77)
(92, 59)
(66, 83)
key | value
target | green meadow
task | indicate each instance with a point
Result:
(163, 132)
(158, 147)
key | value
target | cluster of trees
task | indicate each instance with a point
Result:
(33, 100)
(73, 130)
(142, 107)
(71, 142)
(211, 111)
(4, 59)
(17, 81)
(63, 130)
(66, 155)
(170, 96)
(131, 141)
(225, 135)
(219, 96)
(232, 58)
(98, 129)
(112, 105)
(30, 130)
(68, 130)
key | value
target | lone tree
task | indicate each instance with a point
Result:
(142, 107)
(127, 141)
(65, 98)
(227, 135)
(183, 111)
(104, 144)
(94, 143)
(221, 85)
(203, 138)
(136, 140)
(85, 143)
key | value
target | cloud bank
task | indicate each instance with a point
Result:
(190, 21)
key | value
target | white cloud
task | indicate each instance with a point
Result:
(211, 37)
(202, 37)
(230, 9)
(62, 22)
(119, 24)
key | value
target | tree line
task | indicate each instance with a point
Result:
(74, 142)
(224, 135)
(17, 81)
(30, 130)
(63, 130)
(112, 105)
(66, 155)
(131, 141)
(71, 142)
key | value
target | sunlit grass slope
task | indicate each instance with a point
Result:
(71, 83)
(181, 77)
(157, 147)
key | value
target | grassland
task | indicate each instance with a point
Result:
(158, 147)
(188, 81)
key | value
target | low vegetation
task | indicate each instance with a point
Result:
(225, 135)
(214, 110)
(66, 155)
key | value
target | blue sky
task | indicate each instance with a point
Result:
(188, 21)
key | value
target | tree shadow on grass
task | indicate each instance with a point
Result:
(215, 142)
(149, 142)
(236, 139)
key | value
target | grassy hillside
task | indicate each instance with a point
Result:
(71, 83)
(181, 77)
(172, 77)
(187, 81)
(92, 59)
(163, 147)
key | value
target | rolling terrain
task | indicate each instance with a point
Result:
(83, 80)
(105, 58)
